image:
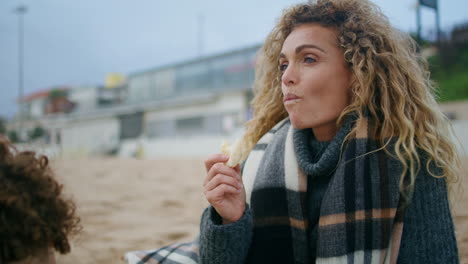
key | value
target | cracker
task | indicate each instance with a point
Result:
(235, 152)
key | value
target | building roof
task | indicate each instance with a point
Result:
(194, 60)
(42, 94)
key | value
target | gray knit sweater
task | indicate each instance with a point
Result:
(428, 232)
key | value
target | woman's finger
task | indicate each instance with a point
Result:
(213, 159)
(219, 192)
(220, 168)
(237, 168)
(220, 179)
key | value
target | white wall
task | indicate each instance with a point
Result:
(226, 103)
(90, 136)
(85, 97)
(195, 146)
(461, 131)
(191, 145)
(37, 107)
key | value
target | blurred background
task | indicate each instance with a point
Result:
(127, 97)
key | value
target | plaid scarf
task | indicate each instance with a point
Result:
(359, 218)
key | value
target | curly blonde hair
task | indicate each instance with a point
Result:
(390, 83)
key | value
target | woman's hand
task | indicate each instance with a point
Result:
(223, 188)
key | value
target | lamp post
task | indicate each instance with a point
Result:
(430, 4)
(20, 11)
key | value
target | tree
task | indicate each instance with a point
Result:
(13, 136)
(36, 133)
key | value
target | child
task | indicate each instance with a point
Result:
(35, 218)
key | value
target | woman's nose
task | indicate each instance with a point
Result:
(289, 76)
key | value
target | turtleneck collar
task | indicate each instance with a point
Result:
(318, 158)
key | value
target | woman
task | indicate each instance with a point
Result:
(350, 155)
(35, 218)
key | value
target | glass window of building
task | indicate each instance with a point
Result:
(140, 88)
(164, 82)
(189, 126)
(234, 71)
(194, 76)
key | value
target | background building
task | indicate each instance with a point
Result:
(185, 108)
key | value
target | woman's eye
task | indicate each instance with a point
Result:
(283, 67)
(309, 60)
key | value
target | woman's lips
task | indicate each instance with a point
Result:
(291, 99)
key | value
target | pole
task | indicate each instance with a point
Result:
(418, 20)
(200, 34)
(438, 24)
(20, 11)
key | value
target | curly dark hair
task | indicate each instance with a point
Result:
(33, 212)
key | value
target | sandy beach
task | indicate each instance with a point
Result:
(128, 204)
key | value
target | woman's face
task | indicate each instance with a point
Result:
(315, 79)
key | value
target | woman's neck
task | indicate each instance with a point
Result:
(325, 132)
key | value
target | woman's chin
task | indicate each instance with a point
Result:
(297, 123)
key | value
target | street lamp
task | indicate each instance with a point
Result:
(20, 11)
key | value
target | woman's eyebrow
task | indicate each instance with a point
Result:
(300, 48)
(305, 46)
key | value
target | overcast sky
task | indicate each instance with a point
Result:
(78, 42)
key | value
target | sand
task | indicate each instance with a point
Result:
(130, 205)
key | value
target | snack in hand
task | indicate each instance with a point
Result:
(235, 153)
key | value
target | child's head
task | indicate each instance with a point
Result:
(34, 215)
